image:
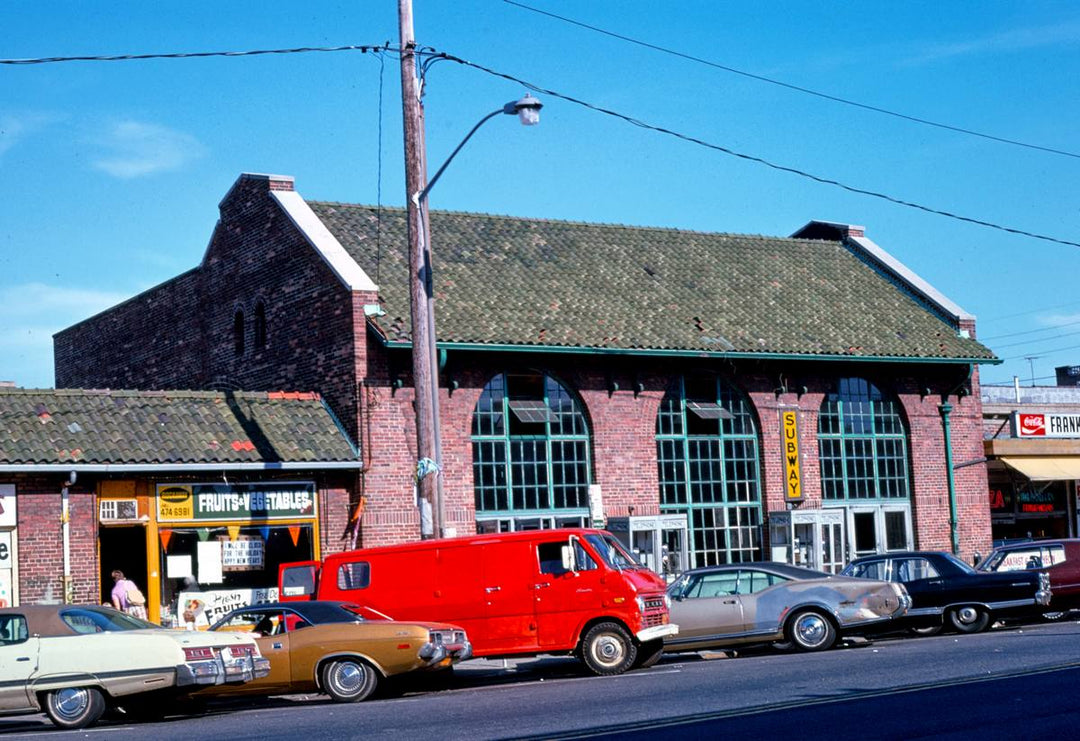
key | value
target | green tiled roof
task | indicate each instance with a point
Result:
(531, 282)
(167, 427)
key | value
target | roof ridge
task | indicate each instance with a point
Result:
(569, 222)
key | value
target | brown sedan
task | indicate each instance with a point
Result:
(330, 647)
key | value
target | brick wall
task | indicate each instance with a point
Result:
(318, 340)
(41, 543)
(115, 350)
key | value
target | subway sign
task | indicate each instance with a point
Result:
(277, 500)
(1045, 424)
(789, 426)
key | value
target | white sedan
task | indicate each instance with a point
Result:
(74, 661)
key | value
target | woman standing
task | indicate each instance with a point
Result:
(126, 596)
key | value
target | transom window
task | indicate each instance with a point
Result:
(707, 455)
(863, 442)
(531, 455)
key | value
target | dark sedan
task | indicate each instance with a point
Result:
(946, 591)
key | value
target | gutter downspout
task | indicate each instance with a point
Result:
(954, 535)
(65, 529)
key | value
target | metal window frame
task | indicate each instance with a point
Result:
(549, 464)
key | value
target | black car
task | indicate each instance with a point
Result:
(946, 591)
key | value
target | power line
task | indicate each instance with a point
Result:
(1032, 311)
(797, 88)
(1044, 352)
(1028, 332)
(1035, 342)
(636, 122)
(194, 55)
(751, 158)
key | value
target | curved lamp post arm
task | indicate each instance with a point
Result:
(527, 109)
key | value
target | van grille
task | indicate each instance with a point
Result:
(655, 612)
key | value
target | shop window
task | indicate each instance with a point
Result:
(217, 569)
(708, 464)
(260, 326)
(862, 439)
(238, 332)
(531, 454)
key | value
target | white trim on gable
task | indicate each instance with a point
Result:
(316, 233)
(855, 235)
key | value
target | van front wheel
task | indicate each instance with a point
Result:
(607, 649)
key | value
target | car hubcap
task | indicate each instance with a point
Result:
(348, 677)
(608, 650)
(967, 615)
(71, 702)
(811, 630)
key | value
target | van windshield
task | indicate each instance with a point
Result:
(611, 551)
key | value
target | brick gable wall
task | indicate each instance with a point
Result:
(151, 341)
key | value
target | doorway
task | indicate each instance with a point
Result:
(123, 548)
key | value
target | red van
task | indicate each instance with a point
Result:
(516, 594)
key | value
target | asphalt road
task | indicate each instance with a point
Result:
(1005, 684)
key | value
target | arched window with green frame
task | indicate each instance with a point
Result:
(532, 452)
(862, 438)
(709, 467)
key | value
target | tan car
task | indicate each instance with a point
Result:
(722, 606)
(75, 661)
(337, 648)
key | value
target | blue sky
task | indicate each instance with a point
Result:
(111, 172)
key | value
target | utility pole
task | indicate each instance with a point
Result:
(421, 293)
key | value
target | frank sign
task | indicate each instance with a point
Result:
(789, 428)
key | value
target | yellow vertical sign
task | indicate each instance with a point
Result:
(789, 425)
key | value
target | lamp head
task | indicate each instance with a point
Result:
(527, 110)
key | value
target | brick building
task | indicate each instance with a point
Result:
(590, 371)
(219, 486)
(1032, 447)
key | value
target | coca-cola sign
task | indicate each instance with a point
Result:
(1045, 424)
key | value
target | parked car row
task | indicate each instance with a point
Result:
(556, 591)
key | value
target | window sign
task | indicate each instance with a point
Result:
(246, 553)
(209, 557)
(261, 501)
(7, 506)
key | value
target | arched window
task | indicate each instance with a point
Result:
(531, 455)
(863, 442)
(707, 455)
(238, 332)
(260, 326)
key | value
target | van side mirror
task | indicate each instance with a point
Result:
(568, 561)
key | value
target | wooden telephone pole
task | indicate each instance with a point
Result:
(421, 290)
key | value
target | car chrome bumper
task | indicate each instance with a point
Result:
(657, 632)
(1043, 596)
(218, 671)
(434, 655)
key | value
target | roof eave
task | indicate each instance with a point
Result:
(582, 350)
(177, 467)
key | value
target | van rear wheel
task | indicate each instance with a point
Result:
(608, 649)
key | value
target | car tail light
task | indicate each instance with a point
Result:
(242, 650)
(201, 653)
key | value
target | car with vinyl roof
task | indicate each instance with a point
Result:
(948, 593)
(75, 661)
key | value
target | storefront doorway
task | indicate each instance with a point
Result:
(122, 547)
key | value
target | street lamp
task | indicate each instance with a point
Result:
(425, 354)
